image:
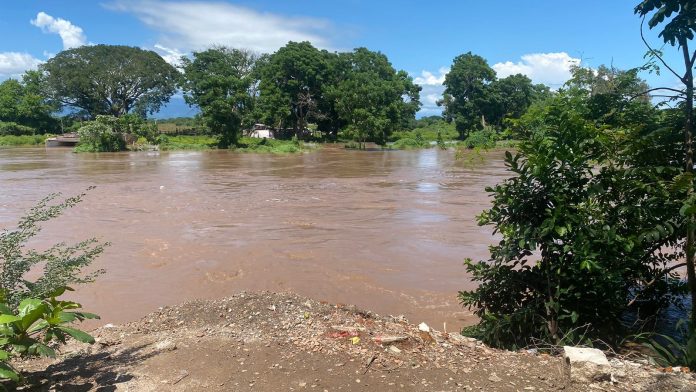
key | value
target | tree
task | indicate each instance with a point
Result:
(508, 97)
(291, 84)
(372, 97)
(110, 79)
(223, 83)
(465, 87)
(25, 104)
(679, 18)
(586, 226)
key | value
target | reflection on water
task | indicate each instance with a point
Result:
(386, 230)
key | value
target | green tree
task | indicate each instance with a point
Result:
(110, 79)
(372, 97)
(23, 102)
(223, 83)
(466, 85)
(291, 85)
(581, 223)
(678, 18)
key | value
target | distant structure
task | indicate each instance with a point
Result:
(64, 140)
(261, 131)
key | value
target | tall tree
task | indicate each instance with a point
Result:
(372, 97)
(679, 19)
(290, 85)
(465, 88)
(110, 79)
(25, 104)
(222, 82)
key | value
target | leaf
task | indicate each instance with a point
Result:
(8, 318)
(81, 336)
(44, 350)
(8, 373)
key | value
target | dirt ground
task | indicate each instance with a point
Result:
(284, 342)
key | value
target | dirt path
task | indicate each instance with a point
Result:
(283, 342)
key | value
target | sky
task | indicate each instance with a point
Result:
(539, 38)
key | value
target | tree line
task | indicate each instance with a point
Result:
(358, 93)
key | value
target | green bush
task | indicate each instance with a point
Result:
(33, 326)
(14, 129)
(28, 140)
(249, 144)
(485, 138)
(100, 136)
(31, 318)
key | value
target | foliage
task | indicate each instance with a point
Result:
(186, 142)
(474, 97)
(666, 350)
(101, 135)
(110, 79)
(33, 140)
(24, 103)
(61, 265)
(222, 82)
(30, 328)
(371, 96)
(14, 129)
(248, 144)
(580, 229)
(411, 143)
(465, 86)
(485, 138)
(291, 85)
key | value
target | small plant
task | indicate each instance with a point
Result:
(62, 264)
(34, 327)
(33, 322)
(484, 138)
(440, 141)
(666, 350)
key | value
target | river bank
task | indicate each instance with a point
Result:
(270, 342)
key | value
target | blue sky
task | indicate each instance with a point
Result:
(539, 38)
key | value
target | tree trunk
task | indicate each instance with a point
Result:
(688, 147)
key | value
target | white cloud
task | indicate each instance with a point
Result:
(188, 25)
(13, 64)
(432, 89)
(172, 56)
(71, 35)
(551, 69)
(430, 79)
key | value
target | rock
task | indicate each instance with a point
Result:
(165, 345)
(423, 327)
(381, 339)
(394, 350)
(494, 378)
(460, 340)
(586, 365)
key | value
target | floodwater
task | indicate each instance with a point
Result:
(385, 230)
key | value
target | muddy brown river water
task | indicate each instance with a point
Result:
(384, 230)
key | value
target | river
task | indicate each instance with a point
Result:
(384, 230)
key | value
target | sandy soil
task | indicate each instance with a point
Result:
(284, 342)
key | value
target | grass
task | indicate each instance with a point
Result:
(184, 142)
(24, 140)
(274, 146)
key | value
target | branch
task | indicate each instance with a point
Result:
(652, 282)
(654, 52)
(681, 92)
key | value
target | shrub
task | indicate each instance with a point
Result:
(14, 129)
(30, 328)
(576, 247)
(484, 138)
(28, 140)
(32, 319)
(62, 265)
(100, 136)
